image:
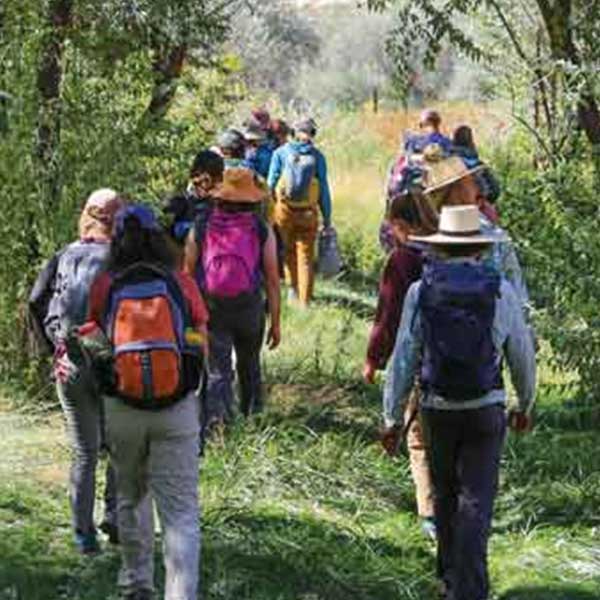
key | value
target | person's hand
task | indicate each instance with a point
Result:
(369, 372)
(274, 337)
(64, 369)
(520, 422)
(390, 439)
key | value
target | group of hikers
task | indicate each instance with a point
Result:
(144, 320)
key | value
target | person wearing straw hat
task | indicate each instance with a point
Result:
(232, 254)
(449, 182)
(459, 323)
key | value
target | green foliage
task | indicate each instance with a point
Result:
(301, 502)
(553, 215)
(106, 141)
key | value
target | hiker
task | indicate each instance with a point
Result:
(430, 125)
(76, 266)
(409, 214)
(298, 182)
(259, 149)
(154, 321)
(412, 148)
(232, 254)
(489, 187)
(458, 323)
(206, 174)
(231, 145)
(450, 183)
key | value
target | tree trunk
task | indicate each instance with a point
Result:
(49, 77)
(167, 68)
(557, 19)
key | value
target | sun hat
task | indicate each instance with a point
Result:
(231, 139)
(253, 133)
(143, 214)
(441, 169)
(461, 225)
(240, 185)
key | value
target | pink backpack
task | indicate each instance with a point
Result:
(231, 257)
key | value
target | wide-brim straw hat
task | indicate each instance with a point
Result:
(461, 225)
(241, 186)
(441, 170)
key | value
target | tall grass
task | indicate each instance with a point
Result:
(300, 503)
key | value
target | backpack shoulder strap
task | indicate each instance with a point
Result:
(263, 230)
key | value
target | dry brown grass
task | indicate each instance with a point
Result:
(488, 121)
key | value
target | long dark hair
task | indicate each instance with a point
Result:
(415, 210)
(136, 244)
(463, 137)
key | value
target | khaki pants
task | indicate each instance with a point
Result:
(298, 230)
(156, 453)
(419, 465)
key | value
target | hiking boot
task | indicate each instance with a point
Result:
(428, 528)
(87, 543)
(111, 531)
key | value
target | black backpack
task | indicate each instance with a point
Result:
(37, 306)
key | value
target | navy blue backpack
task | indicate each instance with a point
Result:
(457, 305)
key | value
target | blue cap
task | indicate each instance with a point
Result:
(143, 214)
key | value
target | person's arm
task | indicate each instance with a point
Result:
(393, 287)
(519, 351)
(324, 192)
(275, 169)
(198, 311)
(402, 367)
(271, 268)
(190, 253)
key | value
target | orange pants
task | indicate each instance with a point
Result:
(298, 230)
(419, 465)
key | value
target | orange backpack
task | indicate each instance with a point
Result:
(146, 321)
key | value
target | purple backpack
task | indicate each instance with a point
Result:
(230, 264)
(458, 304)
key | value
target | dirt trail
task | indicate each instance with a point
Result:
(32, 447)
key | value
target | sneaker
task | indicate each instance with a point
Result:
(428, 528)
(111, 531)
(87, 543)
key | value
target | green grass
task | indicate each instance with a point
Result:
(300, 504)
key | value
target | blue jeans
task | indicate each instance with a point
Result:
(464, 452)
(83, 409)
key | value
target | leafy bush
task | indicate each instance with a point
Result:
(105, 142)
(553, 215)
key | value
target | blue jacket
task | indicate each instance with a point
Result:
(512, 339)
(284, 153)
(259, 160)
